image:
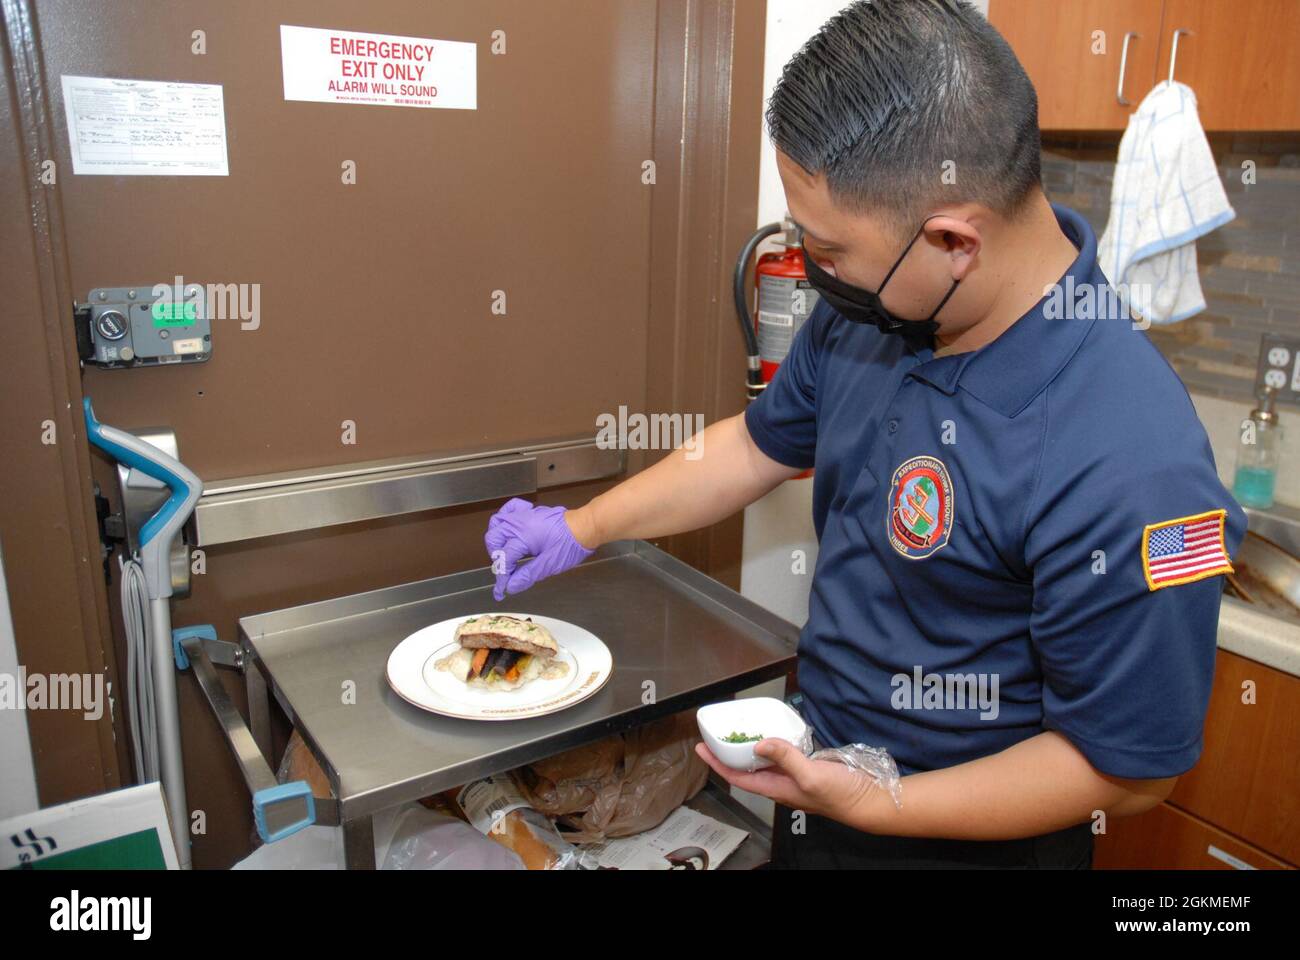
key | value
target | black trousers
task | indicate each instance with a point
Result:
(829, 844)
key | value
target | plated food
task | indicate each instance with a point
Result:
(503, 652)
(435, 667)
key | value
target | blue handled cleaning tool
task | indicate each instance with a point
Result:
(156, 732)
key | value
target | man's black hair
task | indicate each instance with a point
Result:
(889, 91)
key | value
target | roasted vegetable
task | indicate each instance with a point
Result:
(476, 665)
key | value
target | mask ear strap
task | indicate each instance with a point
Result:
(946, 297)
(899, 261)
(951, 290)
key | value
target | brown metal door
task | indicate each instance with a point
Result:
(376, 298)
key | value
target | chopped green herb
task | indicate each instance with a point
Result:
(735, 737)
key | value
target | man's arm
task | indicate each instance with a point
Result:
(1033, 787)
(686, 490)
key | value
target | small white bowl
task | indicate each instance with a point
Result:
(766, 716)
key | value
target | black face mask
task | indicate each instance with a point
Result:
(863, 306)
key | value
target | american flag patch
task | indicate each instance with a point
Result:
(1186, 549)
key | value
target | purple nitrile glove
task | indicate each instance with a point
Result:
(520, 530)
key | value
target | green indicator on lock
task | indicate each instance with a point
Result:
(167, 313)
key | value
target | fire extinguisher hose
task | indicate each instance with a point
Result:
(754, 378)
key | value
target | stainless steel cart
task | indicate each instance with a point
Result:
(678, 638)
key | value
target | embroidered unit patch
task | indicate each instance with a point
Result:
(920, 507)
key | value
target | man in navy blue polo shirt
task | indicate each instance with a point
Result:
(1022, 533)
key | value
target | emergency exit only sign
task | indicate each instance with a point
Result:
(340, 66)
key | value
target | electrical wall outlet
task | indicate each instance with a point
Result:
(1279, 367)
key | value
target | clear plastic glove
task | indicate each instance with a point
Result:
(520, 529)
(795, 780)
(873, 762)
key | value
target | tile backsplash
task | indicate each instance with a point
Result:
(1250, 275)
(1250, 267)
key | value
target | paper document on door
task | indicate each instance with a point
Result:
(145, 127)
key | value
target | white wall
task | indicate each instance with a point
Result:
(781, 522)
(17, 775)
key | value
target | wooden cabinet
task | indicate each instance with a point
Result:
(1248, 779)
(1240, 58)
(1237, 56)
(1058, 44)
(1166, 838)
(1242, 799)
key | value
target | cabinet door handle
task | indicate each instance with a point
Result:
(1173, 53)
(1123, 68)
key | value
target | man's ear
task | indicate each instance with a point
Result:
(959, 238)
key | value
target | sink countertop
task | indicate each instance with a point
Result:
(1249, 632)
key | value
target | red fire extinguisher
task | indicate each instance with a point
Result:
(783, 298)
(783, 301)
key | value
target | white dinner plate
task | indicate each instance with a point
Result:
(411, 672)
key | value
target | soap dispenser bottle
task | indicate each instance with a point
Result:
(1258, 453)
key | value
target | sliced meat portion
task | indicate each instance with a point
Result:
(510, 633)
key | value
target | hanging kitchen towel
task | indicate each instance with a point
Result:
(1166, 194)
